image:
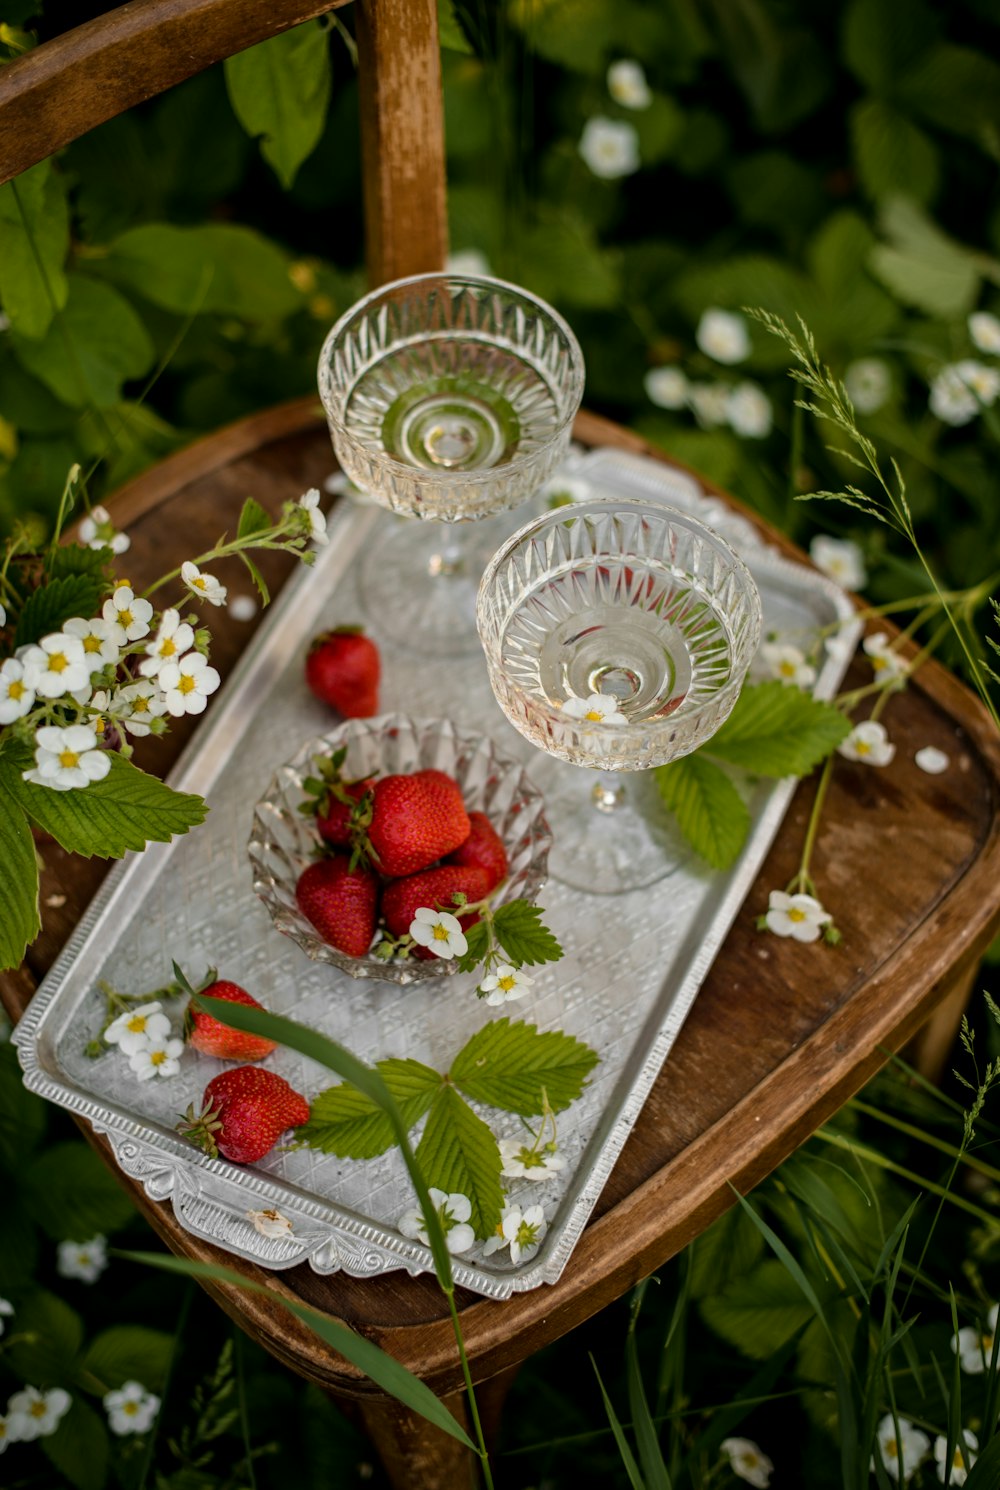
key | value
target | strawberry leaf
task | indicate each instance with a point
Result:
(75, 558)
(519, 1068)
(519, 930)
(19, 923)
(253, 519)
(46, 609)
(710, 811)
(458, 1153)
(258, 579)
(346, 1122)
(779, 731)
(477, 939)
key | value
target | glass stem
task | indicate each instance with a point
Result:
(608, 792)
(451, 558)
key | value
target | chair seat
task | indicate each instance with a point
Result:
(778, 1038)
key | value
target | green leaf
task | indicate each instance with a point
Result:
(449, 28)
(348, 1123)
(957, 89)
(129, 1352)
(22, 1115)
(109, 345)
(18, 1247)
(458, 1153)
(76, 559)
(73, 1195)
(127, 810)
(893, 155)
(779, 731)
(985, 1473)
(710, 811)
(759, 1311)
(219, 269)
(56, 1333)
(727, 1250)
(258, 579)
(561, 260)
(884, 37)
(635, 1478)
(48, 607)
(516, 1066)
(922, 266)
(79, 1447)
(280, 92)
(32, 281)
(253, 519)
(20, 922)
(521, 933)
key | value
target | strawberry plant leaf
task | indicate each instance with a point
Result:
(130, 1352)
(75, 558)
(258, 579)
(709, 810)
(20, 922)
(48, 607)
(519, 930)
(459, 1153)
(346, 1122)
(775, 730)
(518, 1068)
(477, 939)
(253, 519)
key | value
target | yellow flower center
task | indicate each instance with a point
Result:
(58, 662)
(99, 726)
(68, 759)
(593, 714)
(507, 983)
(186, 683)
(126, 617)
(878, 663)
(795, 914)
(91, 643)
(891, 1449)
(140, 705)
(957, 1461)
(440, 933)
(157, 1057)
(131, 1408)
(136, 1024)
(167, 647)
(787, 669)
(987, 1344)
(38, 1409)
(16, 690)
(199, 583)
(862, 747)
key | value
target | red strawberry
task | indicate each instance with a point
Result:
(483, 849)
(343, 670)
(341, 903)
(244, 1113)
(331, 798)
(413, 821)
(206, 1034)
(433, 888)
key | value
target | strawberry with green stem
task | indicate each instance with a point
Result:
(244, 1112)
(333, 799)
(206, 1034)
(407, 823)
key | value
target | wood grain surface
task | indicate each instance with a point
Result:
(778, 1038)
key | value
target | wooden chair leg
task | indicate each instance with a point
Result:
(414, 1454)
(931, 1047)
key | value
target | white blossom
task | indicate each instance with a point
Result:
(801, 917)
(131, 1409)
(602, 708)
(667, 387)
(83, 1260)
(869, 383)
(140, 703)
(981, 380)
(951, 399)
(932, 760)
(840, 559)
(723, 335)
(97, 638)
(6, 1310)
(453, 1213)
(33, 1414)
(171, 641)
(710, 403)
(187, 684)
(137, 1028)
(610, 147)
(521, 1231)
(627, 84)
(129, 613)
(749, 412)
(270, 1223)
(506, 985)
(886, 662)
(840, 644)
(975, 1347)
(10, 1430)
(984, 329)
(537, 1162)
(67, 758)
(440, 931)
(204, 586)
(962, 1457)
(317, 519)
(470, 263)
(16, 698)
(98, 531)
(747, 1461)
(789, 664)
(56, 665)
(901, 1455)
(868, 742)
(157, 1058)
(561, 491)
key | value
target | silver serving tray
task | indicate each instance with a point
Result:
(633, 963)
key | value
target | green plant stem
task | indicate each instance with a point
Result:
(469, 1386)
(182, 1318)
(803, 880)
(851, 1145)
(912, 1131)
(268, 538)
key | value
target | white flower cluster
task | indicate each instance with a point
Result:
(961, 390)
(902, 1447)
(143, 1035)
(32, 1414)
(744, 406)
(788, 664)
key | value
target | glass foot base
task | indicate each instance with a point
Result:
(611, 833)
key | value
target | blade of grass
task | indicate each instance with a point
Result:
(628, 1458)
(646, 1437)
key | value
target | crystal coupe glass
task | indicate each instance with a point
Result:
(449, 397)
(617, 636)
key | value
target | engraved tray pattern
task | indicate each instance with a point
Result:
(632, 967)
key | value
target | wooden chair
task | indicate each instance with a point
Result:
(912, 863)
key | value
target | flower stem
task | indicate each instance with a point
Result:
(802, 881)
(470, 1389)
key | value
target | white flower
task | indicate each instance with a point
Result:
(131, 1409)
(317, 519)
(749, 412)
(170, 642)
(34, 1414)
(3, 616)
(6, 1310)
(723, 335)
(56, 666)
(505, 985)
(158, 1058)
(667, 387)
(840, 645)
(981, 380)
(97, 531)
(10, 1430)
(83, 1260)
(932, 760)
(67, 758)
(16, 698)
(886, 663)
(984, 329)
(243, 607)
(470, 262)
(788, 663)
(521, 1231)
(561, 491)
(138, 1028)
(453, 1213)
(747, 1461)
(869, 383)
(901, 1456)
(627, 84)
(799, 916)
(710, 402)
(610, 147)
(840, 559)
(523, 1163)
(129, 613)
(205, 586)
(270, 1223)
(141, 702)
(974, 1347)
(187, 684)
(962, 1459)
(951, 399)
(602, 708)
(868, 742)
(439, 930)
(97, 637)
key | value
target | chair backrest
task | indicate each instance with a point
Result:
(66, 86)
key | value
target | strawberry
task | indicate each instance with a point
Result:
(342, 669)
(412, 821)
(341, 903)
(243, 1114)
(483, 849)
(334, 817)
(205, 1033)
(434, 888)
